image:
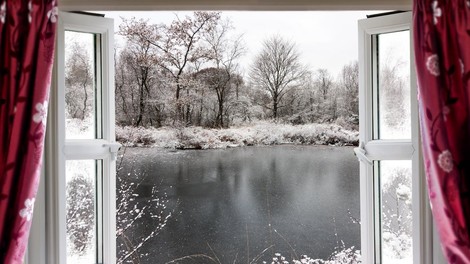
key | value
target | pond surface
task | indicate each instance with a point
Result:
(238, 203)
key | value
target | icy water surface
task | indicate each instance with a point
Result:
(293, 200)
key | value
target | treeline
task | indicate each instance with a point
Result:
(186, 73)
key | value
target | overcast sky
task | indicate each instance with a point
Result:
(324, 39)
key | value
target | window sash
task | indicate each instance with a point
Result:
(58, 149)
(376, 150)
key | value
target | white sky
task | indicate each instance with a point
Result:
(324, 39)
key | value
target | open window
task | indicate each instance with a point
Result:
(81, 151)
(395, 218)
(394, 212)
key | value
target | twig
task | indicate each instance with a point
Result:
(353, 219)
(247, 245)
(260, 254)
(236, 257)
(287, 242)
(215, 255)
(192, 257)
(268, 205)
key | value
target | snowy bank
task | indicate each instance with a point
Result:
(264, 133)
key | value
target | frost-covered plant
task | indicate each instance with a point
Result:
(133, 211)
(80, 213)
(261, 133)
(343, 256)
(278, 259)
(397, 215)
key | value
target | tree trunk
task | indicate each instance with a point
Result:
(220, 114)
(178, 116)
(84, 102)
(141, 107)
(275, 105)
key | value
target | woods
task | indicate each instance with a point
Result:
(188, 73)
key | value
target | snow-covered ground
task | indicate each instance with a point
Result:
(261, 133)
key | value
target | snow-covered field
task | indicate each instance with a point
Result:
(261, 133)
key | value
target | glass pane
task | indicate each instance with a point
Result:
(81, 210)
(82, 94)
(394, 117)
(396, 214)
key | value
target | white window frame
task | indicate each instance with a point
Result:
(59, 149)
(375, 150)
(45, 249)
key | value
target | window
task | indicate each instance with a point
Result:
(393, 201)
(380, 150)
(84, 154)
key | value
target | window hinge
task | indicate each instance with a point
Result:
(362, 155)
(113, 149)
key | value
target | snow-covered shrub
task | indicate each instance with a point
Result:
(80, 213)
(135, 136)
(397, 215)
(260, 133)
(345, 256)
(342, 256)
(349, 123)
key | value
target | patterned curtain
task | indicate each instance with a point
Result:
(27, 37)
(442, 51)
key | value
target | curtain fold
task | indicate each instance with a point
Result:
(27, 38)
(442, 53)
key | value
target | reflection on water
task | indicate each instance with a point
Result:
(290, 199)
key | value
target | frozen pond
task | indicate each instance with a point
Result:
(235, 203)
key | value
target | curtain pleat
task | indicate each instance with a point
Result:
(27, 38)
(442, 53)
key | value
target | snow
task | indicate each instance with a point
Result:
(79, 129)
(84, 258)
(342, 256)
(260, 133)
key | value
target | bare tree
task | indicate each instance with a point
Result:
(178, 44)
(224, 51)
(277, 69)
(327, 95)
(349, 83)
(136, 84)
(79, 82)
(392, 89)
(323, 83)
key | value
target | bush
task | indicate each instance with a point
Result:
(80, 213)
(262, 133)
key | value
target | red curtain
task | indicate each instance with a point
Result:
(27, 37)
(442, 52)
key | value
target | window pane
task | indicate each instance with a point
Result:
(82, 93)
(396, 213)
(394, 112)
(81, 197)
